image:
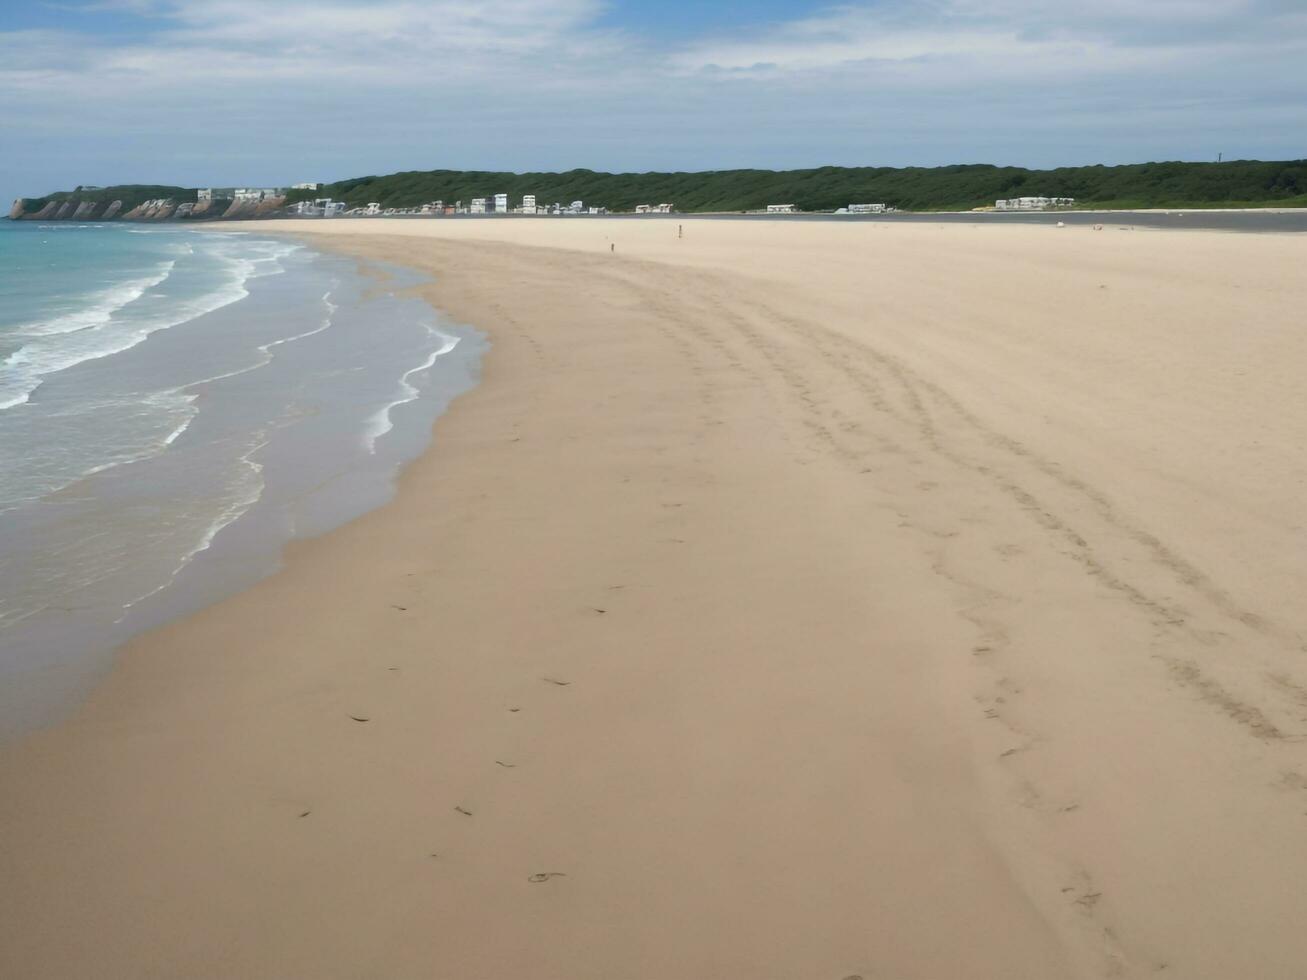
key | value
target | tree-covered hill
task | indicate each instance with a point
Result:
(130, 194)
(1236, 183)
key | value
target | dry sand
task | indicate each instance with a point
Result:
(805, 600)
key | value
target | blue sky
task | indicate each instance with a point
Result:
(225, 92)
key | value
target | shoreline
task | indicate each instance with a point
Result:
(734, 600)
(281, 444)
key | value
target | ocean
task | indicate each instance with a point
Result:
(175, 406)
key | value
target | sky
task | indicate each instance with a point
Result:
(271, 92)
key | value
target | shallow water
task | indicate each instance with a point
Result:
(175, 406)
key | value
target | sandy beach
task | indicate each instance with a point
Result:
(790, 600)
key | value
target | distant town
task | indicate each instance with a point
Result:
(266, 202)
(851, 192)
(325, 207)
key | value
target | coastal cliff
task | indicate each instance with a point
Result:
(133, 202)
(142, 203)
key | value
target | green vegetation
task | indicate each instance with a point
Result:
(1238, 183)
(130, 194)
(1146, 185)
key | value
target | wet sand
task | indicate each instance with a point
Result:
(789, 600)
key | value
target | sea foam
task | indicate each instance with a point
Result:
(381, 423)
(106, 326)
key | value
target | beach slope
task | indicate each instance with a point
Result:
(789, 600)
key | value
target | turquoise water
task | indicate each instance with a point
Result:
(77, 295)
(175, 405)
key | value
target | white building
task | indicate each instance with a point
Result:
(1034, 203)
(323, 207)
(781, 209)
(372, 208)
(867, 209)
(576, 207)
(501, 203)
(528, 204)
(255, 193)
(204, 194)
(304, 187)
(478, 206)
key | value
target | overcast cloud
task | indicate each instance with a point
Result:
(246, 91)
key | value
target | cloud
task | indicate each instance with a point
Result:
(185, 45)
(1004, 37)
(356, 86)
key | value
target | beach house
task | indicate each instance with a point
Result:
(781, 209)
(1034, 203)
(528, 204)
(252, 194)
(867, 209)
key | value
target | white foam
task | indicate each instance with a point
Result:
(326, 322)
(176, 433)
(234, 510)
(27, 485)
(101, 309)
(266, 355)
(380, 423)
(25, 369)
(178, 401)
